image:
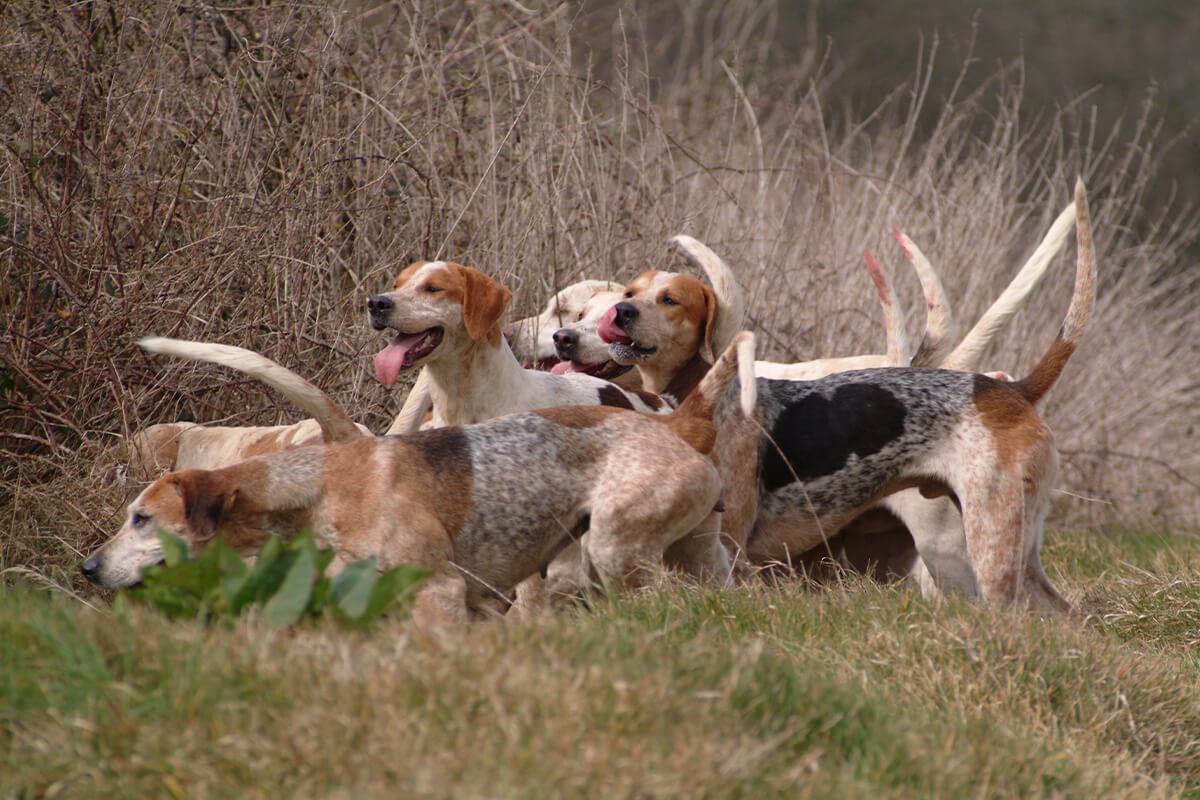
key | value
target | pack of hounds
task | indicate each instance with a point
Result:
(626, 435)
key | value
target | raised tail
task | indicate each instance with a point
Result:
(336, 425)
(736, 360)
(940, 329)
(969, 353)
(731, 298)
(1035, 386)
(893, 314)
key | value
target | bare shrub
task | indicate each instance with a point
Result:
(250, 176)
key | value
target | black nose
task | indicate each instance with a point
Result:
(626, 312)
(565, 342)
(90, 568)
(380, 304)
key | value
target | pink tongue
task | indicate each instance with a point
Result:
(608, 330)
(390, 360)
(564, 367)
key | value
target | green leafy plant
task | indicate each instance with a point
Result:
(287, 581)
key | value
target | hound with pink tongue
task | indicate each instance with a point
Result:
(473, 376)
(403, 351)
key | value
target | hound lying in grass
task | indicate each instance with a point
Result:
(832, 448)
(483, 506)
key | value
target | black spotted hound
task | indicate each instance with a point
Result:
(829, 449)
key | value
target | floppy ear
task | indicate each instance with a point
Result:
(207, 499)
(710, 325)
(484, 300)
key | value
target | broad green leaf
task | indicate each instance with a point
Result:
(351, 588)
(266, 577)
(395, 586)
(289, 602)
(234, 571)
(175, 549)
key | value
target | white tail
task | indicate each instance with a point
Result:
(969, 353)
(336, 425)
(731, 298)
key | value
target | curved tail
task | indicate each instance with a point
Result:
(736, 360)
(731, 298)
(940, 329)
(893, 314)
(969, 353)
(1035, 386)
(336, 425)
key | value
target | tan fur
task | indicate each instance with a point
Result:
(643, 488)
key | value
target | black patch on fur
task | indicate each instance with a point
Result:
(818, 434)
(444, 449)
(613, 396)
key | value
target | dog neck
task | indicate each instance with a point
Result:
(682, 383)
(462, 384)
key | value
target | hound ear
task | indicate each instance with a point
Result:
(710, 324)
(484, 300)
(207, 499)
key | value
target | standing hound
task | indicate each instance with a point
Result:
(446, 318)
(580, 348)
(482, 506)
(829, 449)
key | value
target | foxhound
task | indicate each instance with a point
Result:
(446, 319)
(580, 348)
(482, 506)
(829, 449)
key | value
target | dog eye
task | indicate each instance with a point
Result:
(629, 294)
(138, 520)
(667, 300)
(579, 316)
(430, 289)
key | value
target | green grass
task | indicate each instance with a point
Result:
(856, 691)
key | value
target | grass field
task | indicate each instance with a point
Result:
(251, 174)
(859, 690)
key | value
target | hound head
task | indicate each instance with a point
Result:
(532, 339)
(433, 302)
(663, 320)
(190, 504)
(578, 345)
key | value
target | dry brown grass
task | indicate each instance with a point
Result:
(252, 175)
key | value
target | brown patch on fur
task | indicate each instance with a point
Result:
(407, 273)
(649, 398)
(687, 378)
(612, 396)
(701, 434)
(1012, 421)
(579, 416)
(274, 442)
(1034, 387)
(484, 300)
(208, 498)
(155, 449)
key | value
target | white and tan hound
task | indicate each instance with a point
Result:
(446, 319)
(829, 449)
(483, 506)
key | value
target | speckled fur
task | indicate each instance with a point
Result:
(832, 448)
(484, 506)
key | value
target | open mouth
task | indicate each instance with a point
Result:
(404, 351)
(606, 370)
(621, 345)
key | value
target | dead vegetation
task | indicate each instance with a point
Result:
(250, 176)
